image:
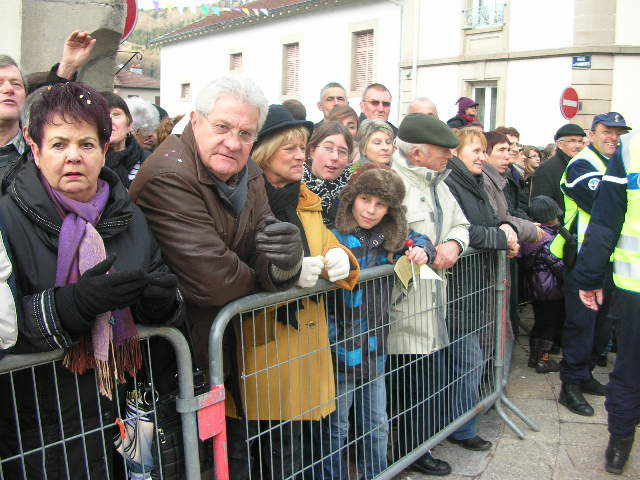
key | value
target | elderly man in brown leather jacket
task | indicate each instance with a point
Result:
(205, 202)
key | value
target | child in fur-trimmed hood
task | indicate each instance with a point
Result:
(371, 222)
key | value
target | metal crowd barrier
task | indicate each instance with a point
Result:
(315, 398)
(320, 393)
(55, 424)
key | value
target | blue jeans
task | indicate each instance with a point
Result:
(466, 367)
(369, 400)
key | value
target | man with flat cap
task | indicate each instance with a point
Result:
(586, 332)
(424, 149)
(546, 180)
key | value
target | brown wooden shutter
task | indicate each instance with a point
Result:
(290, 80)
(362, 61)
(235, 62)
(185, 91)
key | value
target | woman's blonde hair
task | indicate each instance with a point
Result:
(368, 128)
(468, 135)
(263, 151)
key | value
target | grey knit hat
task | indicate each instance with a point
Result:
(544, 209)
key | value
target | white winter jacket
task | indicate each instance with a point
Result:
(8, 317)
(418, 315)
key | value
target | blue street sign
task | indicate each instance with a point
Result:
(581, 61)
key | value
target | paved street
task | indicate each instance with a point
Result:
(569, 447)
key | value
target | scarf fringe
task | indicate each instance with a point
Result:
(128, 358)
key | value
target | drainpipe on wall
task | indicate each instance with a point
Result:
(416, 42)
(400, 4)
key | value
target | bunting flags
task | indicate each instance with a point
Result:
(211, 9)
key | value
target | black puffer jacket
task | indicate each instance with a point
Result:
(457, 122)
(470, 194)
(518, 204)
(122, 162)
(546, 180)
(465, 311)
(33, 227)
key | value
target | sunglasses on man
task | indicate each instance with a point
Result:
(376, 103)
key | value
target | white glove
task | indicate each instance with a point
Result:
(337, 264)
(311, 270)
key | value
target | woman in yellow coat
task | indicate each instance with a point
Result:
(286, 366)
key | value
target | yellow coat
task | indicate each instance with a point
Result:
(287, 374)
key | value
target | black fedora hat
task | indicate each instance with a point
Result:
(279, 118)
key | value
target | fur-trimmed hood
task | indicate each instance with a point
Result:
(384, 183)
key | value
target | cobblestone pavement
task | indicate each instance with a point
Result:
(568, 447)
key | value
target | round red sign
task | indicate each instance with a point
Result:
(131, 20)
(569, 103)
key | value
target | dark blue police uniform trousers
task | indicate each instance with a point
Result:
(586, 332)
(623, 391)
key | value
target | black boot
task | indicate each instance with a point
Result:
(617, 453)
(593, 387)
(572, 398)
(533, 352)
(602, 360)
(544, 364)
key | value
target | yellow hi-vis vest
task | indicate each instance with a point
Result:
(626, 255)
(572, 212)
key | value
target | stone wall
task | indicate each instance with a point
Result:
(38, 29)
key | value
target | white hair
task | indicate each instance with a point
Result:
(406, 148)
(145, 116)
(415, 106)
(236, 85)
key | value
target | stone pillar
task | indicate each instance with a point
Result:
(595, 24)
(38, 29)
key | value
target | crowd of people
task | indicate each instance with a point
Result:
(112, 214)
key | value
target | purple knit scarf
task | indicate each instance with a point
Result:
(113, 347)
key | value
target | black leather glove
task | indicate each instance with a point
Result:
(159, 296)
(98, 292)
(160, 286)
(280, 242)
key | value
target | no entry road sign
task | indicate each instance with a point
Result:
(131, 20)
(569, 103)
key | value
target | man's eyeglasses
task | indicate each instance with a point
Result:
(376, 103)
(221, 129)
(343, 153)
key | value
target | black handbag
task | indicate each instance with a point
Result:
(154, 399)
(167, 447)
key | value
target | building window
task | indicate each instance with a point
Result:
(290, 70)
(484, 14)
(235, 62)
(185, 91)
(361, 60)
(487, 97)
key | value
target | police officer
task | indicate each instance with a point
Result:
(615, 227)
(586, 332)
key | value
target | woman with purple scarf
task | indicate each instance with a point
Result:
(87, 270)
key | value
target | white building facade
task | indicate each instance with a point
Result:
(292, 53)
(517, 56)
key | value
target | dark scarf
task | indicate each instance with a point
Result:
(113, 347)
(328, 191)
(284, 205)
(235, 194)
(122, 162)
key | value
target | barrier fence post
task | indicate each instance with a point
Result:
(502, 318)
(184, 403)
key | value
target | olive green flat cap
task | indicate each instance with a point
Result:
(421, 128)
